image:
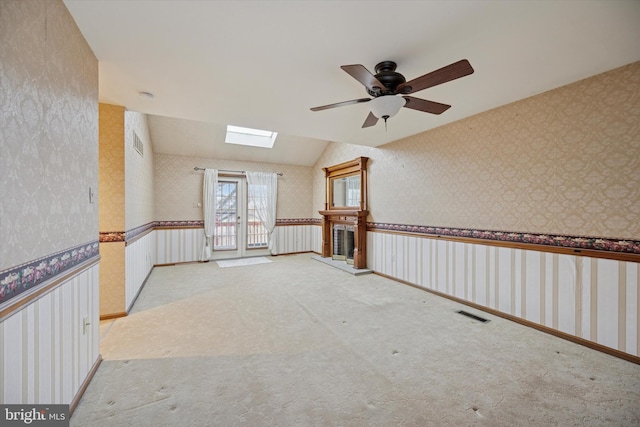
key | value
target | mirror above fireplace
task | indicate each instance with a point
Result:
(345, 191)
(346, 185)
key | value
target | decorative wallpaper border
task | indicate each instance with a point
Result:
(624, 246)
(200, 223)
(111, 236)
(17, 280)
(299, 221)
(173, 224)
(125, 236)
(574, 242)
(130, 234)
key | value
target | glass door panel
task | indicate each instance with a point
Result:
(256, 233)
(226, 240)
(226, 234)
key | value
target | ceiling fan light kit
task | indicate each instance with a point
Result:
(387, 86)
(386, 106)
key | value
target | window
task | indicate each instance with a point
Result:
(251, 137)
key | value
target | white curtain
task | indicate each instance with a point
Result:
(267, 195)
(209, 189)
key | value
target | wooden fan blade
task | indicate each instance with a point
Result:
(341, 104)
(445, 74)
(364, 76)
(371, 120)
(426, 106)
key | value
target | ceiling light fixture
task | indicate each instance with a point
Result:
(386, 106)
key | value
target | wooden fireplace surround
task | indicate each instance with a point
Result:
(350, 215)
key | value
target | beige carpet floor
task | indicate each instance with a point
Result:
(298, 343)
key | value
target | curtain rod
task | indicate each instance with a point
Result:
(226, 170)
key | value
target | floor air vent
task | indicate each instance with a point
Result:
(473, 316)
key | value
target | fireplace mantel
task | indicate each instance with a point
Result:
(344, 214)
(358, 219)
(350, 210)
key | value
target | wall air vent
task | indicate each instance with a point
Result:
(473, 316)
(138, 144)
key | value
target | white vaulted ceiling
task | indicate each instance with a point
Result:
(264, 64)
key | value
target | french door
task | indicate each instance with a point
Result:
(238, 231)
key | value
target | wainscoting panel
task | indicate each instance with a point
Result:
(175, 245)
(178, 245)
(591, 298)
(140, 258)
(45, 351)
(316, 238)
(298, 238)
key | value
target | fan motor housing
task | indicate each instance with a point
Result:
(387, 75)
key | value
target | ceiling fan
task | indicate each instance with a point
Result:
(390, 89)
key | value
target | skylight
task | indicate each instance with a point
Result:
(252, 137)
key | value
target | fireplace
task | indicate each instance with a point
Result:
(343, 243)
(344, 218)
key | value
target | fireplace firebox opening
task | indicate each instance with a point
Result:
(343, 243)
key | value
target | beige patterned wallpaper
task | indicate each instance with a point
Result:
(565, 161)
(112, 279)
(48, 132)
(138, 172)
(177, 186)
(111, 173)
